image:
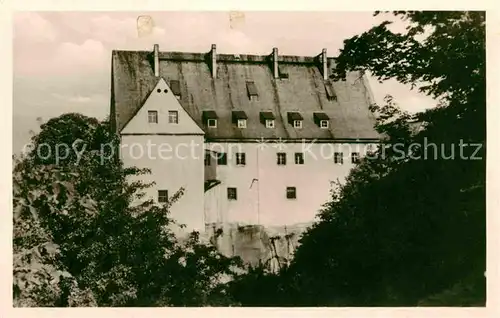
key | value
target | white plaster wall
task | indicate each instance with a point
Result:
(265, 201)
(171, 170)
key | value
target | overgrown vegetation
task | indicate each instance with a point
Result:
(405, 230)
(80, 240)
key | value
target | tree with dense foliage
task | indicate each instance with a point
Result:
(79, 238)
(409, 225)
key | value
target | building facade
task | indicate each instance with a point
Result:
(251, 139)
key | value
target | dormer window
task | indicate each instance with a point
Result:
(242, 123)
(176, 88)
(295, 119)
(252, 90)
(330, 93)
(210, 118)
(267, 118)
(240, 118)
(322, 120)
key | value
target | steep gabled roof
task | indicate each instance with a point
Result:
(302, 92)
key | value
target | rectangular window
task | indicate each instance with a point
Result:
(162, 196)
(323, 123)
(355, 157)
(269, 123)
(207, 158)
(240, 158)
(338, 157)
(291, 193)
(242, 123)
(222, 158)
(297, 123)
(173, 117)
(299, 158)
(252, 90)
(232, 194)
(281, 158)
(152, 117)
(212, 123)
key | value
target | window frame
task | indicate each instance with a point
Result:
(297, 121)
(290, 191)
(214, 121)
(222, 159)
(232, 193)
(270, 123)
(338, 155)
(241, 123)
(162, 194)
(355, 157)
(173, 112)
(324, 121)
(150, 113)
(241, 159)
(281, 158)
(300, 157)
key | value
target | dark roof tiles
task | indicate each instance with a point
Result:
(133, 79)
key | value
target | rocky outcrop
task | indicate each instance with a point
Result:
(255, 244)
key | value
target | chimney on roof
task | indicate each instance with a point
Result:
(275, 63)
(157, 60)
(213, 66)
(325, 65)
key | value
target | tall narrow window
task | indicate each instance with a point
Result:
(173, 117)
(232, 194)
(355, 157)
(299, 158)
(207, 159)
(338, 157)
(152, 116)
(222, 158)
(281, 158)
(162, 196)
(240, 158)
(291, 193)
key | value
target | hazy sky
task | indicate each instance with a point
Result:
(62, 61)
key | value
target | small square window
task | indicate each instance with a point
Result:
(173, 117)
(355, 157)
(269, 123)
(232, 194)
(299, 158)
(152, 117)
(242, 123)
(291, 193)
(297, 123)
(281, 158)
(338, 157)
(162, 196)
(212, 123)
(323, 123)
(240, 158)
(222, 158)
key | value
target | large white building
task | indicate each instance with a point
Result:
(252, 139)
